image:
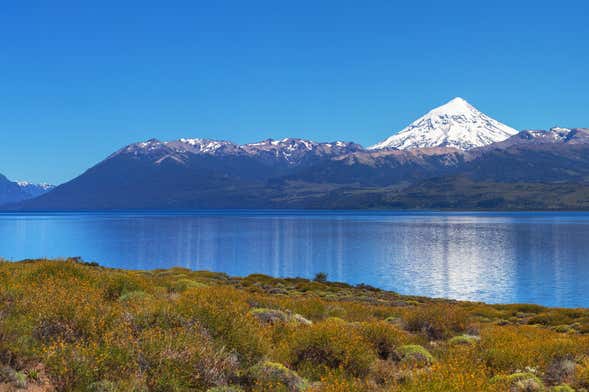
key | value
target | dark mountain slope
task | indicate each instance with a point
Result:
(123, 182)
(384, 167)
(558, 155)
(10, 191)
(190, 173)
(530, 170)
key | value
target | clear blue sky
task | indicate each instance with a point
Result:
(78, 82)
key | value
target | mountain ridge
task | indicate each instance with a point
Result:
(211, 174)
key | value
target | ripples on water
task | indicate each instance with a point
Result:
(492, 257)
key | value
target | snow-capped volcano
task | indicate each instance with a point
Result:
(454, 124)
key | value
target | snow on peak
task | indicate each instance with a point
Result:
(43, 185)
(291, 150)
(200, 145)
(455, 124)
(560, 130)
(295, 150)
(456, 106)
(34, 190)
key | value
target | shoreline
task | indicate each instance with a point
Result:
(299, 278)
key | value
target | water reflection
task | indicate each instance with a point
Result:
(519, 257)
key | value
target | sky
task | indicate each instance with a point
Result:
(79, 81)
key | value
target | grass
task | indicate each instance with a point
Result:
(70, 326)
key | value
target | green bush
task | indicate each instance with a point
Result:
(521, 382)
(102, 386)
(226, 388)
(119, 284)
(135, 296)
(184, 284)
(271, 375)
(562, 388)
(464, 339)
(415, 355)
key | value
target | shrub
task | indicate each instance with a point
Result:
(510, 348)
(521, 382)
(338, 381)
(50, 329)
(457, 371)
(180, 359)
(224, 312)
(119, 284)
(20, 380)
(464, 339)
(270, 375)
(310, 308)
(396, 321)
(275, 316)
(564, 329)
(331, 344)
(563, 388)
(438, 321)
(582, 372)
(226, 388)
(300, 320)
(561, 370)
(48, 270)
(384, 338)
(135, 296)
(184, 284)
(528, 385)
(271, 316)
(102, 386)
(415, 355)
(385, 373)
(320, 277)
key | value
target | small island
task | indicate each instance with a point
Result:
(68, 325)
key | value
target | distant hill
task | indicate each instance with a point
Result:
(12, 192)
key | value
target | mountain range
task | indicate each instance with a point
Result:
(453, 157)
(12, 192)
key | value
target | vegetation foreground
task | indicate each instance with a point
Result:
(72, 326)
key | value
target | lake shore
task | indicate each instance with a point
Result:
(69, 325)
(489, 257)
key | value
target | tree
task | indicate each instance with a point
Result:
(320, 277)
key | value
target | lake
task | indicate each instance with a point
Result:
(530, 257)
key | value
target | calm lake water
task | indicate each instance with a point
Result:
(493, 257)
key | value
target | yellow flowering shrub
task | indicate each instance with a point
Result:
(331, 344)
